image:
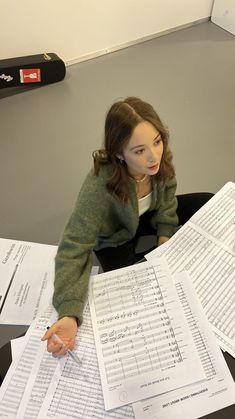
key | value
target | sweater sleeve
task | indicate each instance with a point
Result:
(73, 261)
(165, 219)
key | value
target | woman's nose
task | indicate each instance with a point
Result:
(152, 156)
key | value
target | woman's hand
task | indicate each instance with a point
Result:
(66, 330)
(162, 239)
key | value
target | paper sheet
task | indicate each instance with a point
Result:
(27, 382)
(70, 391)
(143, 342)
(19, 373)
(16, 257)
(17, 346)
(61, 389)
(29, 294)
(216, 392)
(207, 255)
(217, 216)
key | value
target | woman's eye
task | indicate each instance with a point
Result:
(158, 141)
(139, 151)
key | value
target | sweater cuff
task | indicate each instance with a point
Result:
(71, 309)
(165, 230)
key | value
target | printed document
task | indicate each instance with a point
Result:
(26, 271)
(69, 391)
(199, 399)
(29, 294)
(20, 371)
(204, 248)
(38, 386)
(144, 345)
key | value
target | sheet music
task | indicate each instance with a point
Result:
(19, 373)
(143, 342)
(199, 399)
(211, 267)
(209, 259)
(73, 392)
(217, 216)
(26, 370)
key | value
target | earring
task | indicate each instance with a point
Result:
(120, 159)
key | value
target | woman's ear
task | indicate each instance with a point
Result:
(120, 157)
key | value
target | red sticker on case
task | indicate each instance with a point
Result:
(30, 75)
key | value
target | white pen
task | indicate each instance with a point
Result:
(56, 338)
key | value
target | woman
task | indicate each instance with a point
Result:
(130, 192)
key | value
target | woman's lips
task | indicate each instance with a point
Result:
(153, 167)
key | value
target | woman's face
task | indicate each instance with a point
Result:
(143, 153)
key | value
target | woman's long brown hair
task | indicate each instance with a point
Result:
(121, 120)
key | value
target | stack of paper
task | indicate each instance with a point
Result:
(154, 352)
(204, 247)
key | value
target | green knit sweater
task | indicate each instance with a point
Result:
(100, 220)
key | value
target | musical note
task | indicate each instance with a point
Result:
(135, 328)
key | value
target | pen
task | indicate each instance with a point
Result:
(56, 338)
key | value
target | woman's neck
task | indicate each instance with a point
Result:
(139, 178)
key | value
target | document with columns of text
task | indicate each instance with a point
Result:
(204, 247)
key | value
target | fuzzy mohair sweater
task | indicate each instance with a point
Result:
(100, 220)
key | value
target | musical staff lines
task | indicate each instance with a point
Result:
(144, 344)
(142, 338)
(219, 219)
(39, 390)
(217, 297)
(76, 390)
(206, 396)
(13, 389)
(211, 268)
(200, 340)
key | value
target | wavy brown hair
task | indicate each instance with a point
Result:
(121, 120)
